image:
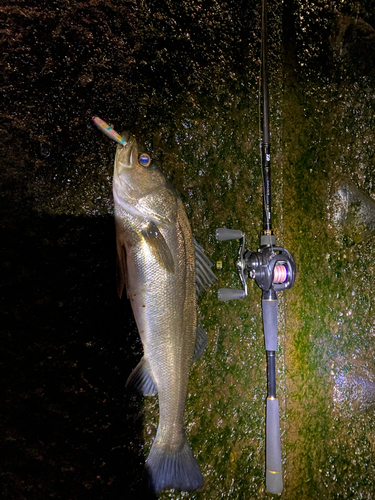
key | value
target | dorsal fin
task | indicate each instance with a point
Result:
(204, 275)
(200, 342)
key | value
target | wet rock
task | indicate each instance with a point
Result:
(355, 212)
(355, 387)
(352, 38)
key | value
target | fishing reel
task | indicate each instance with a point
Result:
(271, 267)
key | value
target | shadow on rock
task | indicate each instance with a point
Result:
(68, 345)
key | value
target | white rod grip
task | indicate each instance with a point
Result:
(274, 474)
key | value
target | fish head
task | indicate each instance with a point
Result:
(140, 187)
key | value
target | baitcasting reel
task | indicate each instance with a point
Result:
(271, 267)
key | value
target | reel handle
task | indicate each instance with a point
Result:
(226, 294)
(223, 234)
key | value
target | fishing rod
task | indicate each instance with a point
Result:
(274, 270)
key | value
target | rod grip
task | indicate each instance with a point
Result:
(223, 234)
(269, 310)
(225, 294)
(274, 475)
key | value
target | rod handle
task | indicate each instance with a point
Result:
(223, 234)
(269, 311)
(274, 475)
(225, 294)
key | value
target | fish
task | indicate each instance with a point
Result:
(163, 270)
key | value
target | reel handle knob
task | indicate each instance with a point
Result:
(226, 294)
(223, 234)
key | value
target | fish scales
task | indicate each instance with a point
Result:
(156, 262)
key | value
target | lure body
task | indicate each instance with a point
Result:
(108, 130)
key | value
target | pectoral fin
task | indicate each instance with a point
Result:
(121, 272)
(158, 246)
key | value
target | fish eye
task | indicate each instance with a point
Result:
(144, 160)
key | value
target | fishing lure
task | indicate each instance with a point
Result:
(108, 130)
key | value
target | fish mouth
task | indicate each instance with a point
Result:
(124, 154)
(126, 136)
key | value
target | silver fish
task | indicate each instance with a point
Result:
(163, 270)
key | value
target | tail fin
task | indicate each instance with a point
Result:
(173, 469)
